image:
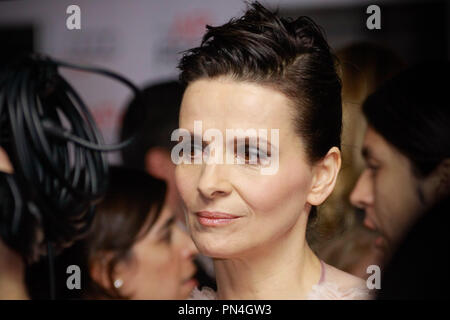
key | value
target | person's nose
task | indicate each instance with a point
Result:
(362, 194)
(213, 181)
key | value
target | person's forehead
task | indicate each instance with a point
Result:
(232, 104)
(378, 147)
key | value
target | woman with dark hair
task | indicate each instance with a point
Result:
(262, 73)
(407, 151)
(133, 246)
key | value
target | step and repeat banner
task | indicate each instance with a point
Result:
(143, 39)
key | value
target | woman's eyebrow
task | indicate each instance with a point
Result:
(246, 139)
(262, 140)
(367, 153)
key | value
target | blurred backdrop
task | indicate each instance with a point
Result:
(142, 39)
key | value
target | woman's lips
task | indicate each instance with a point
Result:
(214, 219)
(380, 241)
(190, 280)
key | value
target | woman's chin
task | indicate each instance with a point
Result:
(214, 253)
(217, 251)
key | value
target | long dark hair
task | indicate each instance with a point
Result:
(130, 208)
(158, 107)
(411, 111)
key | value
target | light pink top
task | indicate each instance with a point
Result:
(334, 284)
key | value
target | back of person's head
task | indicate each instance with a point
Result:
(128, 211)
(411, 113)
(156, 116)
(58, 169)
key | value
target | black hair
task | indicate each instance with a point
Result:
(290, 55)
(130, 208)
(411, 112)
(157, 109)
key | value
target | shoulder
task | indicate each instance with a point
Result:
(342, 278)
(205, 293)
(339, 285)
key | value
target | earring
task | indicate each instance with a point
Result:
(118, 283)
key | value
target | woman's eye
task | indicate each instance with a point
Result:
(253, 155)
(195, 151)
(373, 168)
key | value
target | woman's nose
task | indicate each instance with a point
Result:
(362, 194)
(213, 181)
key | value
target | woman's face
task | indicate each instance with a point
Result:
(161, 265)
(264, 207)
(387, 190)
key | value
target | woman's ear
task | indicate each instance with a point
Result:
(99, 269)
(99, 272)
(324, 177)
(123, 269)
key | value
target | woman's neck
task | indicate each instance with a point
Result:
(287, 269)
(12, 275)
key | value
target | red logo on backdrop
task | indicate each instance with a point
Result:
(189, 26)
(184, 32)
(107, 115)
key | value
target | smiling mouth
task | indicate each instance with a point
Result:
(215, 219)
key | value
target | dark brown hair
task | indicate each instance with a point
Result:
(158, 107)
(411, 112)
(289, 55)
(130, 208)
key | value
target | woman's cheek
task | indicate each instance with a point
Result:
(184, 179)
(269, 192)
(164, 267)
